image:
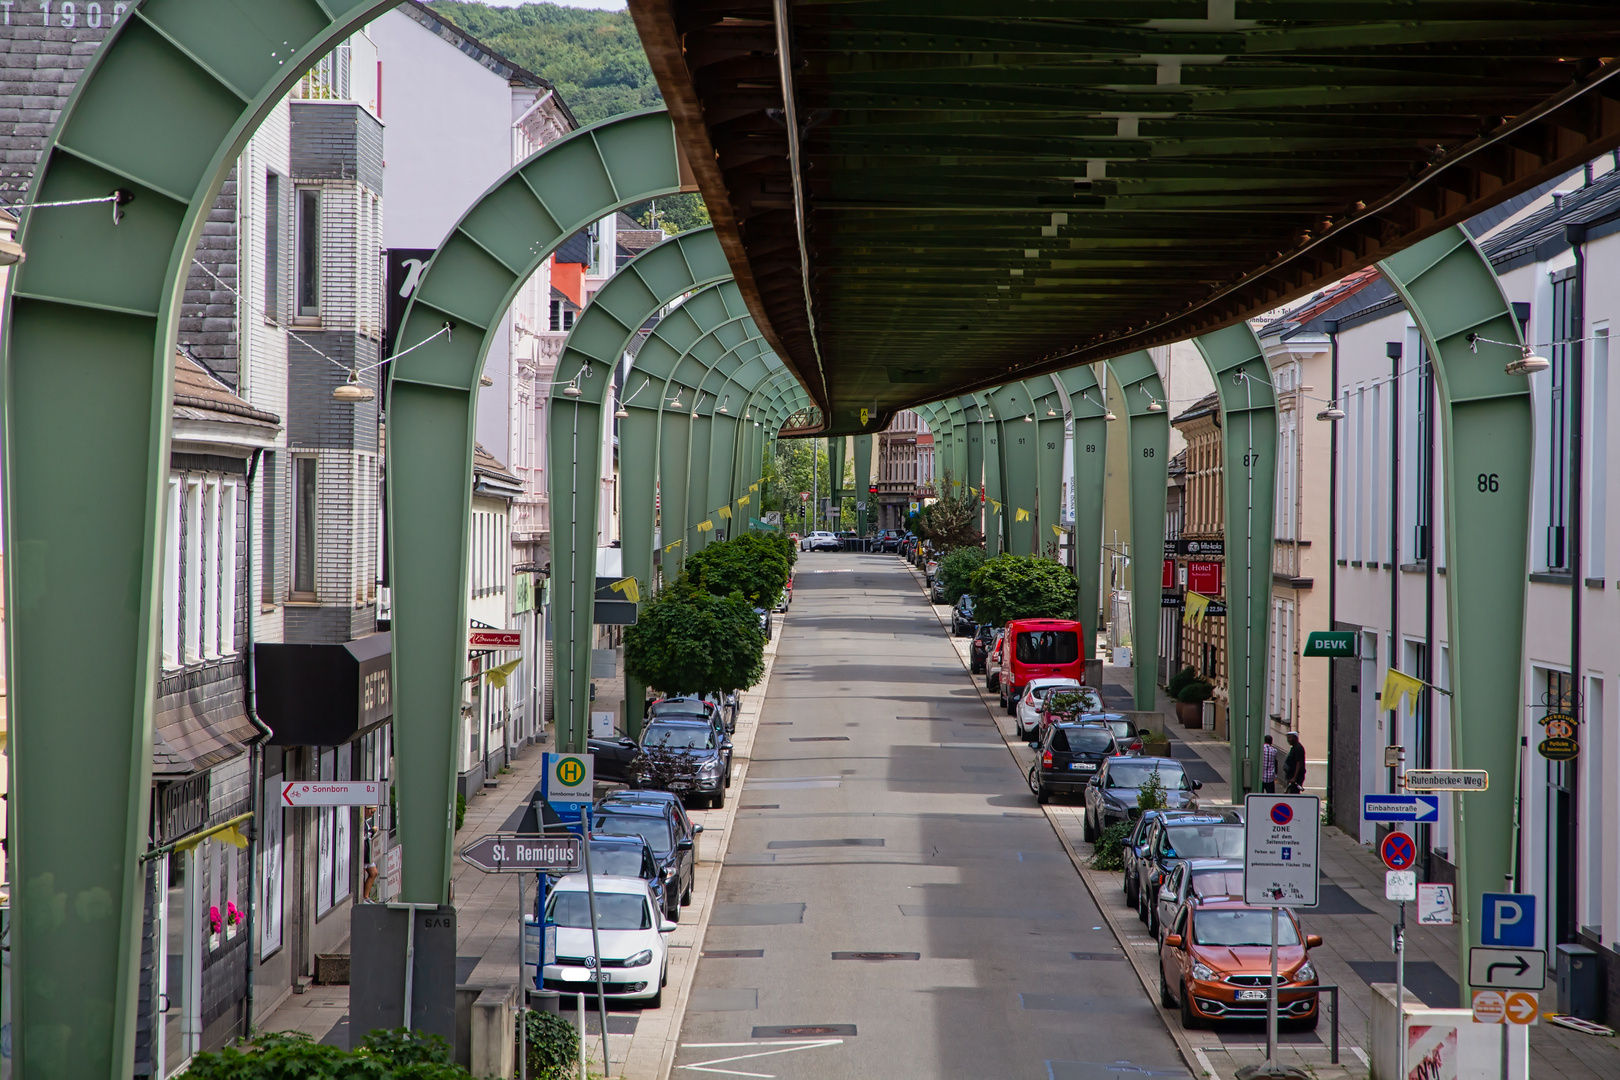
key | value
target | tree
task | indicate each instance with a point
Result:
(956, 571)
(751, 565)
(381, 1055)
(674, 214)
(689, 641)
(952, 520)
(1023, 587)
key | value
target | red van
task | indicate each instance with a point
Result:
(1038, 649)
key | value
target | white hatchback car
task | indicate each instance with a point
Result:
(1034, 695)
(635, 953)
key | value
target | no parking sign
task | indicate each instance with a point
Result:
(1280, 834)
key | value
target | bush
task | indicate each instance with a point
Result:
(1150, 795)
(461, 811)
(952, 520)
(1023, 587)
(956, 571)
(689, 641)
(1179, 680)
(553, 1046)
(1109, 851)
(751, 564)
(289, 1055)
(1195, 691)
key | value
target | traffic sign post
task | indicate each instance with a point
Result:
(1507, 969)
(1398, 851)
(1281, 842)
(1508, 920)
(1400, 807)
(1400, 885)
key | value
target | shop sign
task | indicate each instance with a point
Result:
(1204, 577)
(183, 807)
(1559, 749)
(1169, 600)
(522, 593)
(1202, 547)
(1168, 577)
(1339, 643)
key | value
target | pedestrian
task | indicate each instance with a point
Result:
(1268, 767)
(1294, 765)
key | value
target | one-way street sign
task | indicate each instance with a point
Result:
(1507, 969)
(524, 854)
(1400, 807)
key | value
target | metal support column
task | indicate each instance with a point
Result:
(1090, 432)
(1148, 435)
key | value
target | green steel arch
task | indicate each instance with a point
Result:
(1011, 404)
(1486, 434)
(1148, 436)
(159, 116)
(593, 352)
(1088, 417)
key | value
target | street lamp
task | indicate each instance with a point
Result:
(352, 391)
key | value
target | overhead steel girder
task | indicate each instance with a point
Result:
(574, 426)
(160, 115)
(1049, 436)
(973, 429)
(469, 284)
(1248, 477)
(1147, 432)
(1487, 446)
(1088, 413)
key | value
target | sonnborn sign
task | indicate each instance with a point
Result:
(1280, 846)
(333, 793)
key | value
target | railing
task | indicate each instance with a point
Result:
(531, 517)
(1285, 558)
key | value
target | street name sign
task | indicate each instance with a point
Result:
(495, 639)
(1507, 969)
(524, 854)
(1447, 780)
(1331, 643)
(1436, 905)
(333, 793)
(1400, 807)
(1280, 844)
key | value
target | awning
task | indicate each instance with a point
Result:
(324, 695)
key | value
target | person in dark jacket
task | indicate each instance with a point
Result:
(1293, 769)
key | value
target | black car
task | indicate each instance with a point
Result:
(936, 592)
(631, 856)
(1112, 795)
(962, 623)
(1172, 840)
(614, 758)
(659, 824)
(1068, 757)
(1134, 850)
(704, 742)
(888, 540)
(983, 635)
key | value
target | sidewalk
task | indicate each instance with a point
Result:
(486, 916)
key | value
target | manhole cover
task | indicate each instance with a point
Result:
(876, 956)
(802, 1030)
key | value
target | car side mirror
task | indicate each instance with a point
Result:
(1198, 785)
(684, 843)
(1143, 732)
(1313, 941)
(627, 741)
(1172, 941)
(667, 927)
(725, 745)
(696, 829)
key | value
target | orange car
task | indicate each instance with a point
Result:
(1216, 964)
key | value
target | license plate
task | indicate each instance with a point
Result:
(1251, 995)
(1085, 765)
(576, 974)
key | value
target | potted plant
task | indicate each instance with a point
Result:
(1190, 700)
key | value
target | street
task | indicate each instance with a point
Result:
(892, 902)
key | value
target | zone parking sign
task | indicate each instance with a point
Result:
(1280, 839)
(1508, 920)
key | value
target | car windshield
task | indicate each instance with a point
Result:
(679, 708)
(1244, 926)
(1207, 841)
(1207, 883)
(654, 830)
(614, 911)
(1134, 774)
(620, 860)
(1084, 740)
(679, 738)
(1048, 646)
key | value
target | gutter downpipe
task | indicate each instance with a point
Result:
(256, 758)
(1397, 732)
(1331, 326)
(1576, 234)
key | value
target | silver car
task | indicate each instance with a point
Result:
(1197, 879)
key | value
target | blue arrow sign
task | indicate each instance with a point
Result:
(1400, 807)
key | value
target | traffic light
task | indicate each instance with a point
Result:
(872, 490)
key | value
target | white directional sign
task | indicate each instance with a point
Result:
(1400, 807)
(1507, 969)
(1447, 780)
(1400, 885)
(1280, 850)
(333, 793)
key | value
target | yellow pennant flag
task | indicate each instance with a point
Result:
(705, 526)
(1197, 604)
(743, 501)
(753, 487)
(1022, 515)
(1057, 531)
(1397, 686)
(973, 490)
(496, 676)
(629, 587)
(725, 512)
(233, 836)
(996, 505)
(672, 547)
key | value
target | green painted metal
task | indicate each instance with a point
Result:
(161, 112)
(1487, 447)
(973, 428)
(1148, 435)
(1090, 449)
(1249, 475)
(593, 350)
(996, 512)
(1049, 449)
(864, 506)
(835, 478)
(432, 397)
(958, 455)
(1020, 465)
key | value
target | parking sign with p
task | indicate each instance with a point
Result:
(1508, 919)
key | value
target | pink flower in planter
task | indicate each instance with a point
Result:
(233, 914)
(214, 920)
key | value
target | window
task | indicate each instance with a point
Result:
(171, 580)
(1597, 486)
(1287, 470)
(1048, 647)
(304, 480)
(562, 315)
(1566, 321)
(199, 570)
(1281, 674)
(309, 252)
(272, 246)
(227, 572)
(191, 583)
(270, 565)
(208, 644)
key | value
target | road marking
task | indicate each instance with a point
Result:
(781, 1048)
(972, 746)
(1203, 1063)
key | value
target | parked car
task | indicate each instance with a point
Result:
(1215, 964)
(1028, 708)
(704, 741)
(962, 623)
(820, 540)
(979, 648)
(764, 621)
(661, 825)
(635, 953)
(1126, 732)
(992, 661)
(1135, 848)
(654, 797)
(1054, 708)
(930, 568)
(1174, 840)
(1041, 648)
(1068, 757)
(1197, 880)
(614, 758)
(680, 705)
(888, 540)
(1111, 797)
(617, 855)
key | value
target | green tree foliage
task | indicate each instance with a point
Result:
(952, 520)
(288, 1055)
(1023, 587)
(689, 641)
(674, 214)
(751, 564)
(956, 571)
(788, 473)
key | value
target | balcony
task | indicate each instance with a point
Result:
(530, 518)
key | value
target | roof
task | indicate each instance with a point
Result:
(485, 466)
(201, 395)
(613, 883)
(185, 739)
(1209, 403)
(1593, 208)
(483, 54)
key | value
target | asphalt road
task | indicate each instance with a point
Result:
(884, 815)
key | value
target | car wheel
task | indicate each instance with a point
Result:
(1153, 919)
(1086, 831)
(686, 897)
(1012, 706)
(656, 1001)
(1190, 1021)
(1040, 794)
(1164, 991)
(718, 799)
(673, 910)
(1141, 903)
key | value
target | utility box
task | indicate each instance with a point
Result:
(380, 939)
(1578, 973)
